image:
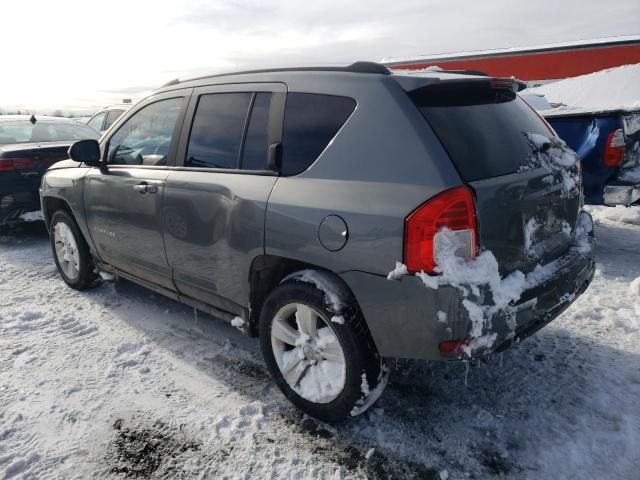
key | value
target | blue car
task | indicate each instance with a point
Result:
(29, 145)
(608, 144)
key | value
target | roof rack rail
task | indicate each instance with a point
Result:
(175, 81)
(368, 67)
(356, 67)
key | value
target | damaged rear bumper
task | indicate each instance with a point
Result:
(408, 320)
(14, 204)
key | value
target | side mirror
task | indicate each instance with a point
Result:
(86, 151)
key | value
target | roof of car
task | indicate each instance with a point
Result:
(357, 67)
(363, 68)
(117, 106)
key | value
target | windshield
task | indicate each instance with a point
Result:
(43, 131)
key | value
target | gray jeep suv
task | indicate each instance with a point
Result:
(343, 215)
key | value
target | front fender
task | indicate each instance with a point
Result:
(65, 187)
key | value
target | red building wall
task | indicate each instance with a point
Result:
(537, 65)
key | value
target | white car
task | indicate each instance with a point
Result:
(103, 119)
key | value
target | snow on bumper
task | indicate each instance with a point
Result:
(407, 320)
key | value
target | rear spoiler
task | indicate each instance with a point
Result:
(459, 90)
(410, 83)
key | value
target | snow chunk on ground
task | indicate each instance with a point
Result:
(238, 322)
(634, 287)
(106, 276)
(630, 215)
(36, 216)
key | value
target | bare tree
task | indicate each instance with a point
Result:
(57, 113)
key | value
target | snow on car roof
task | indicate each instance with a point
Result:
(613, 89)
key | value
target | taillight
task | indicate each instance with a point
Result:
(614, 149)
(6, 165)
(13, 164)
(453, 209)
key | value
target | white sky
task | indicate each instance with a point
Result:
(84, 54)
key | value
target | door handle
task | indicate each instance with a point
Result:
(144, 188)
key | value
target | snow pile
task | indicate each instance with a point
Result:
(615, 88)
(36, 216)
(554, 155)
(537, 100)
(630, 215)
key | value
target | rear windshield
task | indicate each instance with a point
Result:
(485, 137)
(42, 131)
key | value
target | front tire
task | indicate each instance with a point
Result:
(71, 252)
(318, 351)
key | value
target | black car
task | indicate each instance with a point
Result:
(28, 146)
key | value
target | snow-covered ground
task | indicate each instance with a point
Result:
(120, 381)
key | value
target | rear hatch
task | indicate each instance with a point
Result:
(526, 181)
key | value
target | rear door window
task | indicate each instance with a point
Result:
(216, 133)
(310, 123)
(485, 137)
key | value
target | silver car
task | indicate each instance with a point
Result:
(343, 215)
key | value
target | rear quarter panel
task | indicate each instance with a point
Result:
(383, 164)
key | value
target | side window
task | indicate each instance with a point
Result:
(144, 139)
(217, 130)
(96, 122)
(254, 152)
(112, 116)
(310, 123)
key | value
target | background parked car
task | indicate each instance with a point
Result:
(28, 146)
(608, 144)
(103, 119)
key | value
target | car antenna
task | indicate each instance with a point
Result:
(33, 119)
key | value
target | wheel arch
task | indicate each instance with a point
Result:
(268, 271)
(50, 205)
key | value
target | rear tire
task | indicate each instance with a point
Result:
(71, 252)
(333, 374)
